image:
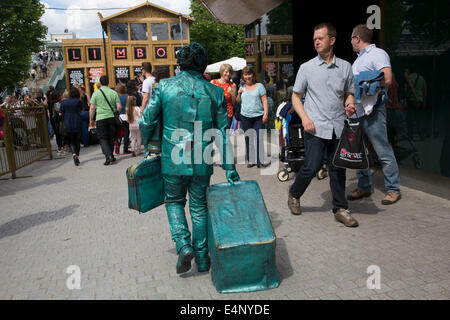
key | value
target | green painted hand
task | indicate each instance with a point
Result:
(232, 176)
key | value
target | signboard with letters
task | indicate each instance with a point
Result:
(74, 54)
(137, 70)
(140, 52)
(161, 52)
(94, 76)
(287, 49)
(287, 68)
(94, 54)
(120, 53)
(122, 74)
(76, 76)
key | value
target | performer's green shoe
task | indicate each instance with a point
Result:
(184, 259)
(203, 262)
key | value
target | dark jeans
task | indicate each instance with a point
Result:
(74, 138)
(230, 121)
(250, 139)
(85, 128)
(55, 121)
(106, 131)
(126, 137)
(314, 151)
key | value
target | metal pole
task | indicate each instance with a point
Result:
(104, 49)
(181, 30)
(260, 65)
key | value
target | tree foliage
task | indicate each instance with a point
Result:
(280, 19)
(222, 41)
(21, 33)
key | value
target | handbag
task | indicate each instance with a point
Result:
(351, 152)
(117, 119)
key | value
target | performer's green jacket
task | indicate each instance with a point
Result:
(188, 106)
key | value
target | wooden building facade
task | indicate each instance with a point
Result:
(144, 33)
(271, 55)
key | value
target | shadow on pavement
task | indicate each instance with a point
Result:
(284, 266)
(22, 224)
(11, 188)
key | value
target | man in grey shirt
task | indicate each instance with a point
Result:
(329, 86)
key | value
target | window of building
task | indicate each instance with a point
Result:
(175, 31)
(119, 31)
(250, 31)
(138, 31)
(160, 31)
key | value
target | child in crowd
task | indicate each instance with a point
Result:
(133, 114)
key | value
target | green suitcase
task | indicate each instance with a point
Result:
(241, 239)
(145, 185)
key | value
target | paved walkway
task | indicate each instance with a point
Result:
(58, 215)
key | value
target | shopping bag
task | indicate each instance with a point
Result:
(351, 152)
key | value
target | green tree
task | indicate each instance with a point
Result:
(280, 19)
(21, 33)
(222, 41)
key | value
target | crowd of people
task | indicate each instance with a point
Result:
(323, 96)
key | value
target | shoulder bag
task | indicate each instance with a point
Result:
(117, 119)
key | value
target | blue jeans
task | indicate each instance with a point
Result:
(314, 151)
(374, 127)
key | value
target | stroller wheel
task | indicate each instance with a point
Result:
(283, 175)
(418, 163)
(289, 169)
(323, 172)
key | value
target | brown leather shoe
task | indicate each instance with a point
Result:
(294, 204)
(357, 194)
(391, 198)
(344, 216)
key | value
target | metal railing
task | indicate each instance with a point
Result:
(25, 137)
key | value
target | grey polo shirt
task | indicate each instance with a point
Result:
(325, 87)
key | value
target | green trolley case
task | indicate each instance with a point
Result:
(241, 239)
(145, 185)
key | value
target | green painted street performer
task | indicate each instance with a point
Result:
(190, 108)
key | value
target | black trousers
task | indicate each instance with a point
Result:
(314, 151)
(126, 137)
(55, 121)
(74, 138)
(106, 131)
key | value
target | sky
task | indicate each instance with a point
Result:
(86, 24)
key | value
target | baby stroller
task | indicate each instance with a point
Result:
(292, 147)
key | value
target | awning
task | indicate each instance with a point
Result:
(236, 62)
(239, 11)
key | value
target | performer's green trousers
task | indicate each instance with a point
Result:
(175, 188)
